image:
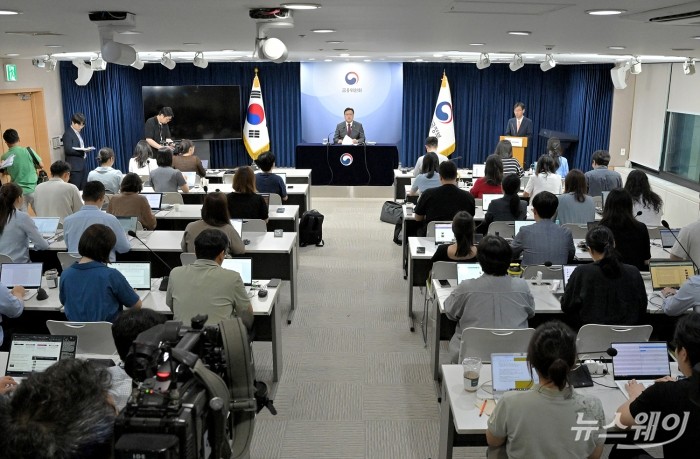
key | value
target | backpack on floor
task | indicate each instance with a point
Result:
(311, 228)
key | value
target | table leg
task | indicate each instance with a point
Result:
(276, 342)
(404, 247)
(292, 283)
(411, 324)
(447, 428)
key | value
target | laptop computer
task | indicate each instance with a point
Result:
(604, 196)
(47, 226)
(35, 353)
(566, 273)
(244, 267)
(468, 271)
(519, 224)
(444, 234)
(670, 273)
(478, 170)
(205, 163)
(644, 361)
(667, 239)
(487, 198)
(137, 274)
(192, 178)
(509, 372)
(154, 200)
(283, 176)
(128, 223)
(237, 225)
(28, 275)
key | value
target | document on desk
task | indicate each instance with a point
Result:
(347, 140)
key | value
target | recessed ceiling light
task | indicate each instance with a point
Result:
(312, 58)
(129, 32)
(301, 6)
(328, 60)
(609, 12)
(682, 49)
(54, 46)
(366, 60)
(227, 50)
(9, 12)
(344, 54)
(12, 54)
(191, 44)
(616, 47)
(697, 38)
(323, 30)
(438, 55)
(523, 33)
(419, 60)
(477, 44)
(334, 42)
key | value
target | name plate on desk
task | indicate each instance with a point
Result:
(515, 141)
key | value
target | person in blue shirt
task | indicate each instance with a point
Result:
(91, 213)
(17, 228)
(90, 291)
(676, 302)
(267, 182)
(11, 305)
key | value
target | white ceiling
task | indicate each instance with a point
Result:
(392, 30)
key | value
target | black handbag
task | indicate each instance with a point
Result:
(42, 176)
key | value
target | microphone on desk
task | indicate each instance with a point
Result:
(166, 279)
(665, 224)
(611, 351)
(328, 137)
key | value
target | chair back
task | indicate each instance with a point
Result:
(504, 229)
(593, 339)
(654, 232)
(5, 258)
(254, 225)
(482, 342)
(67, 259)
(275, 199)
(187, 258)
(172, 197)
(553, 272)
(430, 230)
(93, 337)
(577, 231)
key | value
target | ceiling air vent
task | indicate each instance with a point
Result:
(685, 14)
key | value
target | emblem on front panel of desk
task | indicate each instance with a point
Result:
(346, 159)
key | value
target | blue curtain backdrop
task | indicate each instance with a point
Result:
(114, 110)
(575, 99)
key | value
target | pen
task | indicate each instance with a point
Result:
(483, 406)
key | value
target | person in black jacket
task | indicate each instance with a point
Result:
(631, 237)
(509, 208)
(76, 158)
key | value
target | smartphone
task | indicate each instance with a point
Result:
(444, 283)
(280, 210)
(274, 283)
(420, 249)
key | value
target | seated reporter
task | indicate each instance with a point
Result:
(89, 290)
(214, 216)
(17, 229)
(204, 287)
(429, 176)
(64, 412)
(463, 249)
(129, 203)
(105, 173)
(631, 237)
(245, 202)
(185, 160)
(165, 179)
(541, 422)
(676, 302)
(509, 208)
(490, 183)
(606, 291)
(494, 300)
(267, 182)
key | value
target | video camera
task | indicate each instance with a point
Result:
(196, 395)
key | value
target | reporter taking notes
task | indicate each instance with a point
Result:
(349, 131)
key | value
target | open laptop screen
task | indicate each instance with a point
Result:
(35, 353)
(283, 176)
(667, 239)
(137, 273)
(604, 197)
(567, 270)
(520, 223)
(47, 226)
(154, 200)
(128, 223)
(191, 178)
(642, 360)
(510, 372)
(670, 273)
(487, 198)
(478, 170)
(237, 225)
(444, 234)
(28, 275)
(205, 163)
(468, 271)
(243, 266)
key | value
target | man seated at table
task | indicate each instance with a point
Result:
(544, 241)
(62, 412)
(600, 178)
(443, 202)
(688, 239)
(57, 197)
(204, 287)
(494, 300)
(267, 182)
(91, 213)
(431, 145)
(676, 302)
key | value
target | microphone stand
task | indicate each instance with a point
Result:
(328, 156)
(166, 279)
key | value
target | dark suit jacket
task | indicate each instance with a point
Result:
(75, 158)
(357, 132)
(525, 128)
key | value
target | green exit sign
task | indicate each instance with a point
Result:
(10, 72)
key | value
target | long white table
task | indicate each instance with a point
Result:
(293, 175)
(287, 219)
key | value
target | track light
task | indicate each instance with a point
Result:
(635, 65)
(138, 63)
(619, 75)
(199, 60)
(273, 49)
(689, 67)
(98, 64)
(517, 63)
(548, 64)
(84, 72)
(167, 61)
(483, 62)
(118, 53)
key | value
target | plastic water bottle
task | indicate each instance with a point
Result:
(400, 165)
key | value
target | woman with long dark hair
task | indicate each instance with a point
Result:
(555, 151)
(463, 249)
(490, 183)
(17, 228)
(575, 206)
(545, 178)
(244, 201)
(508, 208)
(643, 199)
(429, 177)
(214, 216)
(504, 150)
(558, 406)
(185, 160)
(631, 237)
(141, 162)
(606, 291)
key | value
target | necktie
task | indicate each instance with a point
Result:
(517, 126)
(349, 130)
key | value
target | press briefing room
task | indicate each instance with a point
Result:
(374, 229)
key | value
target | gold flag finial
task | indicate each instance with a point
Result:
(256, 71)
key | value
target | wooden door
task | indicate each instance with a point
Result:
(23, 110)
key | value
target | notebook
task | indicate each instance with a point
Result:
(670, 273)
(468, 271)
(154, 200)
(510, 372)
(35, 353)
(566, 272)
(443, 233)
(137, 274)
(237, 225)
(667, 239)
(244, 267)
(643, 361)
(191, 178)
(520, 223)
(28, 275)
(487, 198)
(128, 223)
(478, 170)
(47, 226)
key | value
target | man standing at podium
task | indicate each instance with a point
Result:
(519, 126)
(349, 128)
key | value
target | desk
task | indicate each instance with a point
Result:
(188, 213)
(293, 175)
(403, 179)
(361, 165)
(658, 253)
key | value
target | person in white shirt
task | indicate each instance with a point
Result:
(545, 178)
(141, 162)
(431, 144)
(645, 201)
(57, 197)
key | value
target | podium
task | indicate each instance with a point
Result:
(519, 146)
